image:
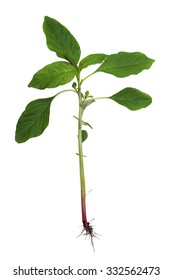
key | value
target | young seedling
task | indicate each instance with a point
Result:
(35, 117)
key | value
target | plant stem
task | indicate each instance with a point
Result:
(81, 161)
(87, 228)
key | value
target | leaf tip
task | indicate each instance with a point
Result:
(153, 60)
(32, 84)
(18, 141)
(17, 137)
(46, 18)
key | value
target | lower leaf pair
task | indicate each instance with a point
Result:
(35, 118)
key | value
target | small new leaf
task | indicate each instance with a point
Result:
(53, 75)
(74, 85)
(60, 40)
(124, 64)
(84, 135)
(132, 98)
(33, 120)
(91, 60)
(87, 93)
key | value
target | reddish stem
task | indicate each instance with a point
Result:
(86, 225)
(84, 215)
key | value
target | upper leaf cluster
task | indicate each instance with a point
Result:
(62, 42)
(35, 118)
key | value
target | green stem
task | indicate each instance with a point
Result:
(80, 151)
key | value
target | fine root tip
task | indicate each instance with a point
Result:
(88, 231)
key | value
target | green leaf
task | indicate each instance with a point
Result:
(87, 93)
(91, 60)
(86, 103)
(132, 98)
(53, 75)
(61, 41)
(124, 64)
(74, 85)
(33, 120)
(84, 135)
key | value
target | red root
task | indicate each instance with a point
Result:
(88, 231)
(87, 228)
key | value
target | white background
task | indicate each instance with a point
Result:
(129, 154)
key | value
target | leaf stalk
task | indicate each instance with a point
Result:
(87, 77)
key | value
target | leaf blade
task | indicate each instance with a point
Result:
(124, 64)
(132, 98)
(91, 60)
(53, 75)
(60, 40)
(84, 135)
(34, 119)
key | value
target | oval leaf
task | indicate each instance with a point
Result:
(53, 75)
(132, 98)
(91, 60)
(84, 135)
(61, 41)
(124, 64)
(33, 120)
